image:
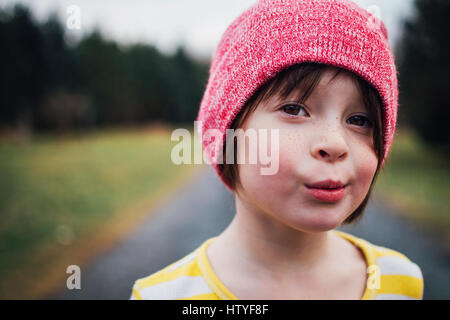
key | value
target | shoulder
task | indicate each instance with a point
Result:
(399, 276)
(182, 279)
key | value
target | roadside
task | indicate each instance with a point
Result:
(415, 183)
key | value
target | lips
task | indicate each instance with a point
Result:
(327, 191)
(327, 184)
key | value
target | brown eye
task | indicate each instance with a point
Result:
(292, 109)
(362, 121)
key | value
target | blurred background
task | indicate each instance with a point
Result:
(90, 92)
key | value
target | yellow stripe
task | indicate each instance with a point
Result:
(368, 251)
(213, 281)
(401, 284)
(369, 256)
(203, 296)
(136, 294)
(189, 269)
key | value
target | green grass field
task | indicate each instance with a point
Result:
(54, 192)
(416, 180)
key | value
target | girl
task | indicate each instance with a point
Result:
(321, 73)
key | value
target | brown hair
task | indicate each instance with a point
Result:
(307, 75)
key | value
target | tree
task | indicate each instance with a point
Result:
(424, 68)
(22, 60)
(50, 85)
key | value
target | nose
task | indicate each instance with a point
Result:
(330, 146)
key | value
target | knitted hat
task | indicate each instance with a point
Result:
(271, 35)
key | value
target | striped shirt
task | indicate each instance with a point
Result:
(391, 275)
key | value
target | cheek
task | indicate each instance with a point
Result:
(293, 148)
(271, 188)
(365, 165)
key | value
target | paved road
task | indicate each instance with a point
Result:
(204, 208)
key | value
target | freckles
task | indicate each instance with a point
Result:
(288, 151)
(292, 147)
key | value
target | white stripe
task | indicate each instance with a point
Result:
(182, 262)
(399, 266)
(387, 296)
(182, 287)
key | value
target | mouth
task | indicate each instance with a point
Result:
(326, 184)
(327, 191)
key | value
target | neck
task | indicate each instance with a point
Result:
(261, 243)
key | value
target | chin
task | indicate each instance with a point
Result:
(320, 227)
(319, 223)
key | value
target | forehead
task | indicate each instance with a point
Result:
(339, 83)
(342, 85)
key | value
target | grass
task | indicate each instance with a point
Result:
(416, 180)
(64, 199)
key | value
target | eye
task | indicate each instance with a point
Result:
(292, 109)
(360, 120)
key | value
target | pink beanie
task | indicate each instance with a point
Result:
(271, 35)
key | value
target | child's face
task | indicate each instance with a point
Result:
(320, 140)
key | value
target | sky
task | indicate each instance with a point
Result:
(196, 24)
